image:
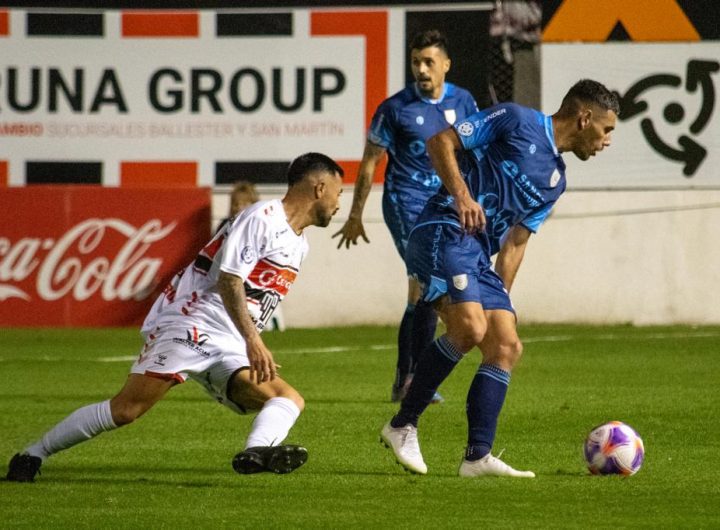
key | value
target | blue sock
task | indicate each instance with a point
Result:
(405, 360)
(484, 402)
(436, 363)
(423, 331)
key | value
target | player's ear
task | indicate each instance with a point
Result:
(446, 66)
(320, 189)
(584, 118)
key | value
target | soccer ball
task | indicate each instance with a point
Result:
(614, 448)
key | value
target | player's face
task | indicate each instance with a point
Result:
(329, 190)
(429, 67)
(594, 132)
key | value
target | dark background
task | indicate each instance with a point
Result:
(468, 41)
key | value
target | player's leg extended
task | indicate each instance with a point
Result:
(280, 406)
(425, 320)
(501, 348)
(417, 330)
(417, 326)
(137, 396)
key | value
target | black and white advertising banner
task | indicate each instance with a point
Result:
(668, 134)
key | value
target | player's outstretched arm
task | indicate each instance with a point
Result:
(442, 148)
(511, 254)
(232, 292)
(353, 227)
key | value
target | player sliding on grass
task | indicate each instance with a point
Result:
(206, 326)
(502, 173)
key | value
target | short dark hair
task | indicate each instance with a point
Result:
(311, 163)
(427, 38)
(589, 91)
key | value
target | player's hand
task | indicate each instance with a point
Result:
(472, 216)
(262, 365)
(351, 230)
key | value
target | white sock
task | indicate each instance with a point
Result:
(273, 422)
(83, 424)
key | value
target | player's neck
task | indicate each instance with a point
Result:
(296, 214)
(435, 95)
(562, 132)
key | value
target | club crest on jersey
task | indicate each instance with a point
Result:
(554, 178)
(465, 128)
(450, 116)
(460, 282)
(419, 120)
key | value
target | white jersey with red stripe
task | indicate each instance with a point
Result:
(260, 247)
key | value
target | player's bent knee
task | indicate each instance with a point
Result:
(506, 354)
(466, 336)
(297, 399)
(126, 413)
(252, 397)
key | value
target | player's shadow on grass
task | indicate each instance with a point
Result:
(133, 475)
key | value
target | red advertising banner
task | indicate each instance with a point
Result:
(93, 256)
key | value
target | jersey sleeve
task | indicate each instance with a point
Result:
(533, 221)
(471, 106)
(382, 130)
(487, 125)
(246, 243)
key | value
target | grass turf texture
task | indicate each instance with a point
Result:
(172, 467)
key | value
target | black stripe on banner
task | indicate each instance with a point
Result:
(255, 172)
(253, 24)
(65, 24)
(63, 172)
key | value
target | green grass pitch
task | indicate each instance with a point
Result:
(171, 469)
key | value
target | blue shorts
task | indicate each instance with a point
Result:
(446, 260)
(400, 210)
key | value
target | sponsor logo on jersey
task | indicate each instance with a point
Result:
(466, 128)
(268, 275)
(494, 115)
(450, 116)
(532, 149)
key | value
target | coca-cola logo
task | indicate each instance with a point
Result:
(62, 271)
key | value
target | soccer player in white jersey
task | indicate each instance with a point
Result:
(206, 326)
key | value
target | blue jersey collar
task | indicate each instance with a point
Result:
(549, 133)
(428, 100)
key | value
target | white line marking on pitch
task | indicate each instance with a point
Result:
(385, 347)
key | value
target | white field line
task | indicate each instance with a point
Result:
(390, 347)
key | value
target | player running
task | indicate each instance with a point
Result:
(400, 127)
(498, 189)
(206, 326)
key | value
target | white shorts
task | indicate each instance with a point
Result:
(180, 353)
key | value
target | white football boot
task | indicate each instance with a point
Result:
(490, 466)
(404, 443)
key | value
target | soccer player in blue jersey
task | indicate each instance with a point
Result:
(400, 127)
(502, 173)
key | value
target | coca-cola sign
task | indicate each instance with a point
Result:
(81, 256)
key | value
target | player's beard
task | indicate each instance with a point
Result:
(425, 87)
(322, 218)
